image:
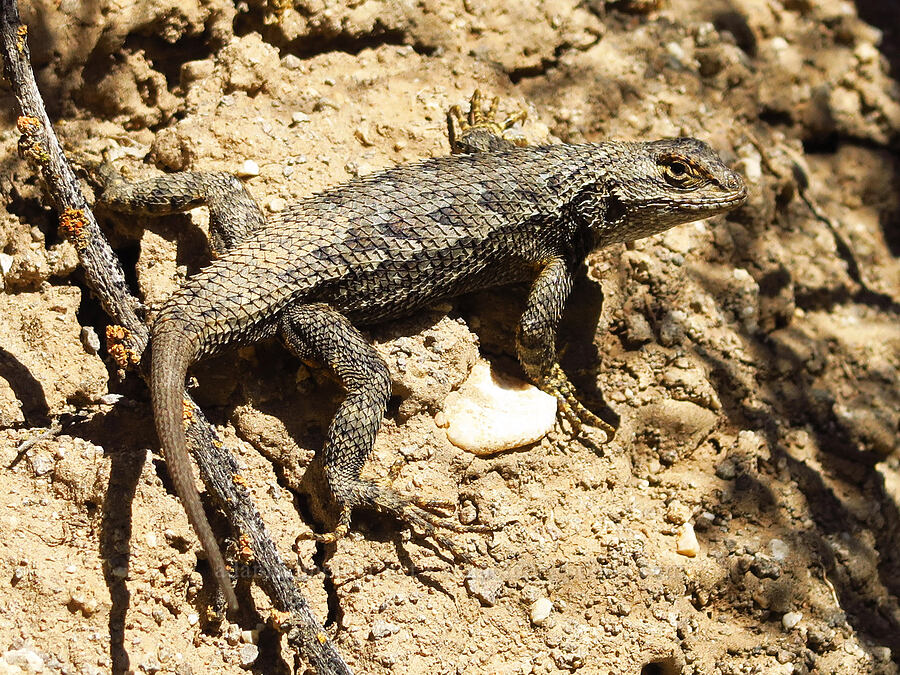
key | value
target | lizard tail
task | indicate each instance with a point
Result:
(172, 353)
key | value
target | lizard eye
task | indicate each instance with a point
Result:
(677, 172)
(678, 169)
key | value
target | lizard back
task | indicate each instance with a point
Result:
(372, 250)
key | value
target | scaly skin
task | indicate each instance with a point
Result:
(385, 245)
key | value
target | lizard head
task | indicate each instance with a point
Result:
(661, 184)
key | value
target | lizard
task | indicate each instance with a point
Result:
(381, 246)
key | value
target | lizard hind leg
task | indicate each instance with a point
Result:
(319, 332)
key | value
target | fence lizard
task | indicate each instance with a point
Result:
(384, 245)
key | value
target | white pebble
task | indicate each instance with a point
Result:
(193, 618)
(540, 611)
(90, 340)
(248, 169)
(6, 262)
(23, 660)
(675, 50)
(791, 619)
(687, 544)
(779, 549)
(382, 629)
(493, 412)
(248, 655)
(276, 204)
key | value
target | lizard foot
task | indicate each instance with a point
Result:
(339, 532)
(418, 514)
(413, 511)
(440, 507)
(572, 411)
(462, 126)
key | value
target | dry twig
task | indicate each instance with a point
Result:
(104, 275)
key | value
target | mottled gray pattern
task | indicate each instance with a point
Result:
(382, 246)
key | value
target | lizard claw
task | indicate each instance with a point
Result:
(481, 119)
(443, 508)
(573, 411)
(339, 532)
(414, 511)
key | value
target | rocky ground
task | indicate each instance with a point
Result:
(751, 361)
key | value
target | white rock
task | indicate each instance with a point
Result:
(23, 660)
(248, 654)
(492, 412)
(687, 544)
(248, 169)
(6, 262)
(779, 549)
(791, 619)
(540, 611)
(382, 629)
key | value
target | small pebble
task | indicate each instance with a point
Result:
(779, 549)
(90, 340)
(292, 62)
(6, 262)
(23, 660)
(248, 169)
(484, 584)
(248, 655)
(726, 470)
(468, 512)
(41, 464)
(299, 117)
(791, 619)
(79, 602)
(381, 629)
(540, 611)
(677, 513)
(276, 204)
(764, 567)
(687, 544)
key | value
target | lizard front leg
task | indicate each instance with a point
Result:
(233, 213)
(318, 332)
(536, 343)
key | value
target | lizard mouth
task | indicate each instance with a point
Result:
(722, 202)
(728, 201)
